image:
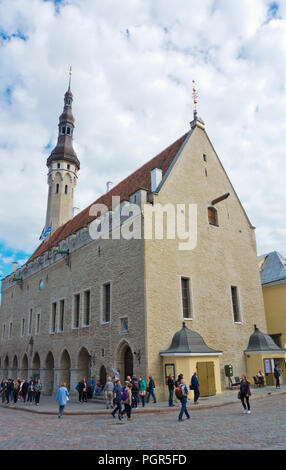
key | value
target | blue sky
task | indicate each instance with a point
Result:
(133, 64)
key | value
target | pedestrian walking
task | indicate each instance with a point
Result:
(24, 389)
(150, 390)
(277, 376)
(117, 391)
(184, 400)
(3, 390)
(195, 387)
(127, 401)
(142, 390)
(108, 393)
(8, 390)
(31, 391)
(170, 382)
(244, 394)
(135, 391)
(62, 398)
(16, 390)
(38, 390)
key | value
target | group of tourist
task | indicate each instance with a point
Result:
(27, 391)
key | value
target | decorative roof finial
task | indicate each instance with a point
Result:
(195, 96)
(70, 74)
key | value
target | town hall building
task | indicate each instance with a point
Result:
(86, 305)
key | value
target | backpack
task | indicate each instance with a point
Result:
(124, 395)
(178, 392)
(135, 386)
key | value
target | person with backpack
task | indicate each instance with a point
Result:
(183, 396)
(117, 399)
(170, 382)
(150, 390)
(195, 387)
(135, 391)
(126, 398)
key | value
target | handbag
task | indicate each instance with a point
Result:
(239, 395)
(142, 393)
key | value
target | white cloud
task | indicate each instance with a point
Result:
(133, 65)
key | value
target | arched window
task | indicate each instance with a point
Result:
(212, 215)
(66, 189)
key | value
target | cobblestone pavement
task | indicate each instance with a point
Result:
(217, 428)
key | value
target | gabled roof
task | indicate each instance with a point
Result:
(139, 179)
(272, 267)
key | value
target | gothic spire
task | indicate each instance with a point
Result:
(64, 149)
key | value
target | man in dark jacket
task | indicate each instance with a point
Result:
(117, 399)
(8, 390)
(135, 391)
(277, 375)
(195, 386)
(171, 385)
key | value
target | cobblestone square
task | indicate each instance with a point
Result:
(219, 428)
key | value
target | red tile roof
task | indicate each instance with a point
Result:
(141, 178)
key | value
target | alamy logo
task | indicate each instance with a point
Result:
(149, 222)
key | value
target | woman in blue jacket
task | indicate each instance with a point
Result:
(62, 397)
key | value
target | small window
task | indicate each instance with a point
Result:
(212, 215)
(204, 157)
(68, 130)
(185, 285)
(66, 189)
(59, 165)
(54, 317)
(76, 310)
(235, 304)
(10, 329)
(23, 327)
(30, 322)
(68, 166)
(3, 331)
(57, 188)
(62, 315)
(63, 130)
(106, 302)
(41, 284)
(124, 325)
(38, 323)
(87, 308)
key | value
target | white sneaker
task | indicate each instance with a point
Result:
(248, 412)
(244, 412)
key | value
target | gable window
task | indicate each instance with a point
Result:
(106, 302)
(87, 308)
(54, 317)
(235, 304)
(212, 216)
(186, 300)
(76, 310)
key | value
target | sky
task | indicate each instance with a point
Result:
(133, 63)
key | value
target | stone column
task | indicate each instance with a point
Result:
(56, 380)
(74, 380)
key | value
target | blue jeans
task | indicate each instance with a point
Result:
(61, 410)
(118, 407)
(196, 394)
(184, 409)
(151, 392)
(171, 394)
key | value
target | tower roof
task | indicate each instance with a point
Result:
(64, 149)
(187, 341)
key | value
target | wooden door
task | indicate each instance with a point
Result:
(206, 378)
